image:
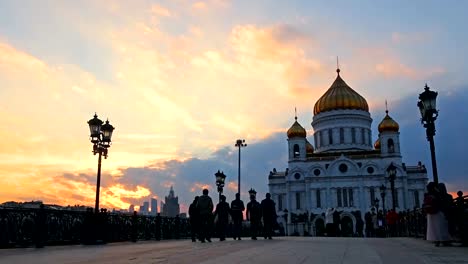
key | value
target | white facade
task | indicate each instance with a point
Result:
(345, 171)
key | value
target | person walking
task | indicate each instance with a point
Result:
(254, 215)
(237, 209)
(205, 209)
(268, 215)
(194, 219)
(329, 223)
(222, 213)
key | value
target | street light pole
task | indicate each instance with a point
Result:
(239, 143)
(100, 136)
(429, 113)
(220, 179)
(382, 195)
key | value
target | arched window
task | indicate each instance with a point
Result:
(353, 135)
(391, 146)
(341, 135)
(330, 137)
(296, 151)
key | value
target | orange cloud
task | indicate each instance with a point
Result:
(232, 186)
(160, 11)
(198, 187)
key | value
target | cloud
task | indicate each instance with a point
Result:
(160, 11)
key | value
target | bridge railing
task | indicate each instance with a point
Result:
(26, 227)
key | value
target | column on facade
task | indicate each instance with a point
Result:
(287, 204)
(307, 196)
(333, 200)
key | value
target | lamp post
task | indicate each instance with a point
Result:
(101, 139)
(239, 143)
(383, 189)
(429, 113)
(391, 171)
(220, 178)
(285, 216)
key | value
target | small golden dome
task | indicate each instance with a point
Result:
(296, 130)
(309, 148)
(377, 144)
(340, 96)
(388, 124)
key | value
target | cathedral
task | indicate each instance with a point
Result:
(344, 169)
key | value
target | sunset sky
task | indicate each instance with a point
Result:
(182, 80)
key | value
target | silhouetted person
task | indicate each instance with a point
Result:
(194, 219)
(40, 227)
(336, 223)
(205, 208)
(134, 227)
(392, 220)
(369, 225)
(329, 223)
(158, 226)
(237, 209)
(222, 211)
(268, 215)
(254, 214)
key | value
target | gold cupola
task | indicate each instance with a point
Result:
(340, 96)
(388, 124)
(377, 144)
(309, 149)
(296, 130)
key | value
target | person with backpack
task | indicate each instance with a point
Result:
(194, 219)
(437, 226)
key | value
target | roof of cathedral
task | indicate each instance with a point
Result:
(296, 130)
(340, 96)
(377, 144)
(388, 124)
(309, 148)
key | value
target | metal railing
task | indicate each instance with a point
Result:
(39, 227)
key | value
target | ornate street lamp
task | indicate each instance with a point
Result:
(391, 171)
(376, 204)
(383, 189)
(100, 136)
(429, 113)
(220, 178)
(239, 143)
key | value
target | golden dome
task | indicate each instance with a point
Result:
(388, 124)
(309, 148)
(377, 144)
(296, 130)
(340, 96)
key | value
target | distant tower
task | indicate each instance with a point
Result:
(389, 136)
(171, 206)
(131, 208)
(154, 206)
(297, 142)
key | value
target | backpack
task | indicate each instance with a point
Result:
(429, 204)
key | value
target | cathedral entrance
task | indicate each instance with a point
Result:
(346, 226)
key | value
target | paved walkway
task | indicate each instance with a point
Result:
(279, 250)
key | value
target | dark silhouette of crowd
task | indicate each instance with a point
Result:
(204, 220)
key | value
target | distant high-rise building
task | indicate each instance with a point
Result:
(154, 206)
(144, 208)
(131, 208)
(171, 206)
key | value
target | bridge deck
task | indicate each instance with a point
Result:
(278, 250)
